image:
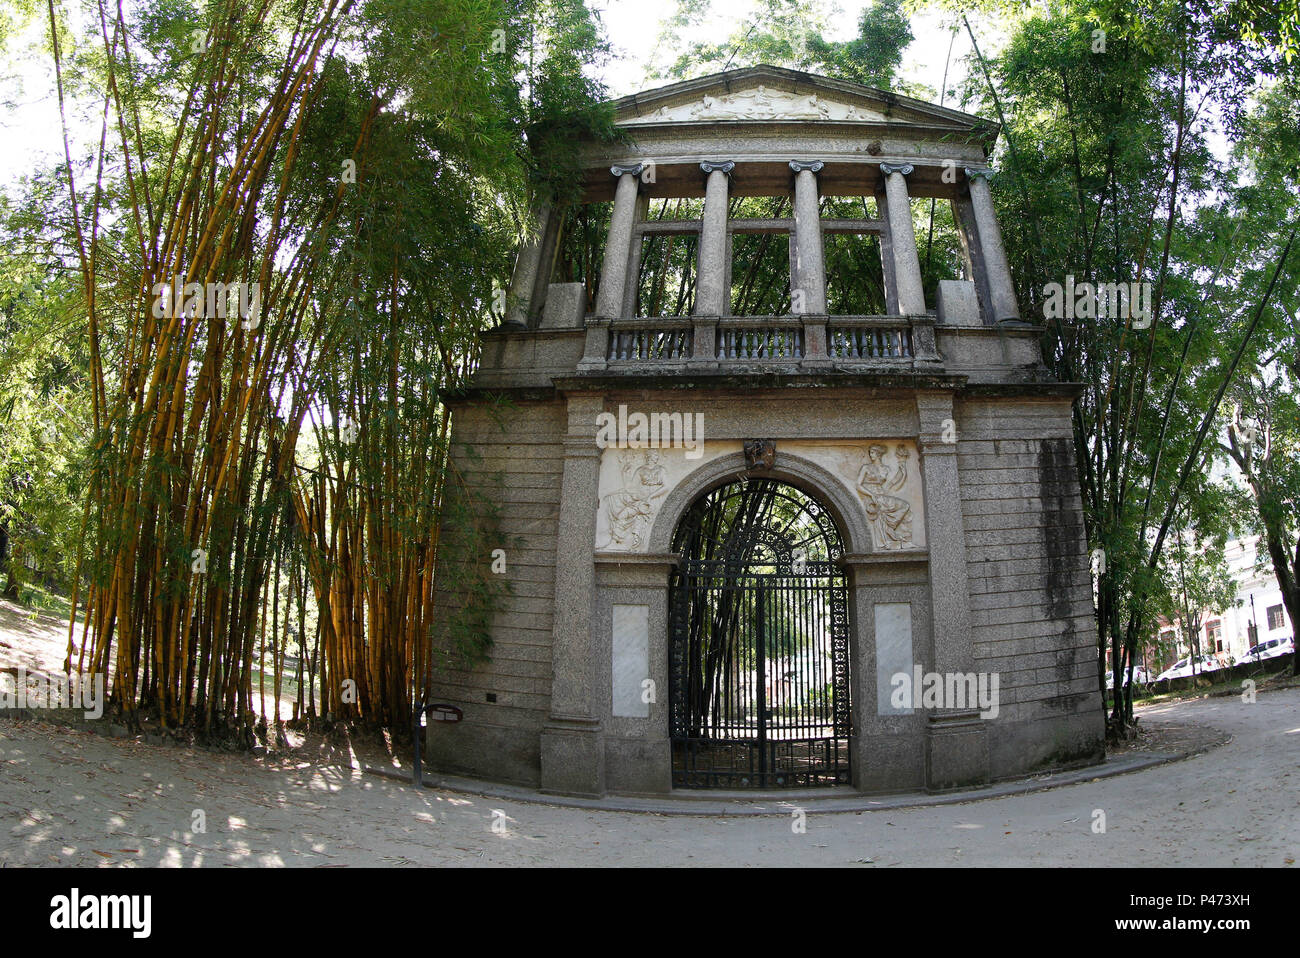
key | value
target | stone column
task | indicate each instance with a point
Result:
(1001, 291)
(956, 739)
(887, 254)
(809, 274)
(523, 282)
(963, 214)
(902, 241)
(711, 279)
(618, 244)
(550, 246)
(572, 749)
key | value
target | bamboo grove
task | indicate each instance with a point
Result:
(288, 235)
(261, 533)
(1108, 174)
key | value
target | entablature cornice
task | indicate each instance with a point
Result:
(769, 174)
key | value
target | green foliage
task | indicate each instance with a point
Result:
(1098, 136)
(392, 198)
(875, 54)
(790, 33)
(43, 441)
(780, 33)
(1194, 579)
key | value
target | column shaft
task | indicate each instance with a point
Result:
(710, 286)
(957, 746)
(618, 244)
(1001, 291)
(809, 265)
(907, 267)
(887, 257)
(523, 282)
(571, 746)
(963, 214)
(550, 246)
(574, 563)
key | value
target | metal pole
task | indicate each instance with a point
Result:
(418, 775)
(1253, 631)
(760, 596)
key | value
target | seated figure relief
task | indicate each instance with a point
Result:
(629, 509)
(889, 516)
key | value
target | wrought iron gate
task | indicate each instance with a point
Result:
(759, 672)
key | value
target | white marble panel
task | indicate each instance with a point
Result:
(631, 660)
(893, 652)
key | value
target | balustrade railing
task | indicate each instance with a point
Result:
(857, 342)
(747, 340)
(804, 341)
(649, 342)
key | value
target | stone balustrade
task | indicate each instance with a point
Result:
(781, 341)
(759, 338)
(663, 340)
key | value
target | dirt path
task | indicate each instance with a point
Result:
(71, 797)
(36, 641)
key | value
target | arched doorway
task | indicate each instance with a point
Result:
(758, 643)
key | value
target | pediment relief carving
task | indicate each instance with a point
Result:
(759, 102)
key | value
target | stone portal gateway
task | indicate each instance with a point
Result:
(646, 368)
(759, 651)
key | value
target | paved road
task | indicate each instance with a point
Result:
(70, 797)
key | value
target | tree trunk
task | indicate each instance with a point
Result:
(1288, 580)
(7, 567)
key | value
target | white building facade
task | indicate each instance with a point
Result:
(1258, 613)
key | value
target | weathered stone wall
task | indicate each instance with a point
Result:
(1031, 595)
(520, 460)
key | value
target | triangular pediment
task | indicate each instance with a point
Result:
(767, 94)
(760, 102)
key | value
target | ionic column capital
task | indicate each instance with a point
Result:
(621, 170)
(974, 172)
(807, 166)
(905, 168)
(724, 166)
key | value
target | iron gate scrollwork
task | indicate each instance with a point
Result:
(759, 670)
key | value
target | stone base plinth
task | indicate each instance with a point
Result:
(956, 752)
(573, 757)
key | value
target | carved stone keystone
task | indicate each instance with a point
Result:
(760, 455)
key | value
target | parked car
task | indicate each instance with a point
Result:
(1140, 677)
(1183, 667)
(1270, 649)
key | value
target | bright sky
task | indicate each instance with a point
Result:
(30, 135)
(633, 28)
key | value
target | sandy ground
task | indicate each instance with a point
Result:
(38, 642)
(68, 796)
